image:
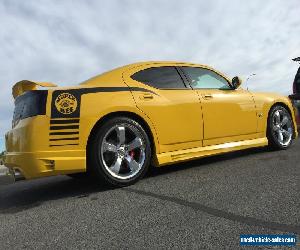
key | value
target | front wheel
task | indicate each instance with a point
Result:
(280, 128)
(119, 152)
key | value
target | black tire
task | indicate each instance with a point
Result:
(272, 133)
(96, 163)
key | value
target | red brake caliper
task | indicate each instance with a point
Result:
(131, 153)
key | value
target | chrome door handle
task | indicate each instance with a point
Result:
(146, 97)
(207, 96)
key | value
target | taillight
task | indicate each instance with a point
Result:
(31, 103)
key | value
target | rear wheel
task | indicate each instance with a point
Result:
(119, 152)
(280, 128)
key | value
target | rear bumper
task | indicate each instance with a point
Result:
(41, 164)
(30, 153)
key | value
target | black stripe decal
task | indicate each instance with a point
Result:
(64, 127)
(65, 139)
(64, 145)
(64, 121)
(83, 91)
(142, 90)
(77, 93)
(64, 133)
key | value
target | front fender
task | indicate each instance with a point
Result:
(264, 102)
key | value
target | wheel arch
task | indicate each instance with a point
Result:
(131, 115)
(283, 104)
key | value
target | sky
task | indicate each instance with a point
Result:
(67, 42)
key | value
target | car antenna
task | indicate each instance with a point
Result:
(249, 76)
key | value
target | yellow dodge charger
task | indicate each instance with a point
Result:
(115, 125)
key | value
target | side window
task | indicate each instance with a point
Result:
(205, 79)
(160, 78)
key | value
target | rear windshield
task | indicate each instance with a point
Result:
(30, 104)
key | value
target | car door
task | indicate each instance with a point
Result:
(173, 108)
(229, 114)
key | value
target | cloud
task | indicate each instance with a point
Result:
(67, 42)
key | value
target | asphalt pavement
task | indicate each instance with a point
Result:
(201, 204)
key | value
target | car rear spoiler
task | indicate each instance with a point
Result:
(20, 87)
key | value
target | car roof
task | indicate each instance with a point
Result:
(116, 74)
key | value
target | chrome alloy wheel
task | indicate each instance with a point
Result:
(282, 127)
(122, 151)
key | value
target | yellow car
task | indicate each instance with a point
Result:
(115, 125)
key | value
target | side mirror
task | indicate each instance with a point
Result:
(236, 82)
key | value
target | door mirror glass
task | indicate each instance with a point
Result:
(236, 82)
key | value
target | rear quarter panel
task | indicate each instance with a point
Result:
(95, 106)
